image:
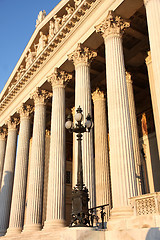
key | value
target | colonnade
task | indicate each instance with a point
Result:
(123, 134)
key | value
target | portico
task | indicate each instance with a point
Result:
(89, 53)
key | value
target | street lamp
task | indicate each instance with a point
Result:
(80, 198)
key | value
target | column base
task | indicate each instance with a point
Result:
(2, 232)
(13, 231)
(32, 228)
(57, 223)
(118, 218)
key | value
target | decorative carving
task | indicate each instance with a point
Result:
(112, 25)
(73, 111)
(29, 59)
(3, 133)
(48, 132)
(20, 72)
(148, 58)
(147, 120)
(146, 204)
(41, 96)
(41, 16)
(51, 30)
(77, 3)
(57, 23)
(69, 11)
(82, 55)
(12, 123)
(11, 86)
(8, 95)
(41, 44)
(144, 124)
(98, 95)
(146, 2)
(128, 78)
(59, 78)
(25, 111)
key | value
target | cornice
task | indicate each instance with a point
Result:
(52, 46)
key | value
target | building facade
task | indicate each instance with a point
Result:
(102, 55)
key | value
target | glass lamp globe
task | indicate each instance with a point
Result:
(88, 124)
(68, 124)
(78, 117)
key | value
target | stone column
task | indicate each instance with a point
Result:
(82, 58)
(123, 176)
(2, 150)
(101, 149)
(8, 174)
(46, 172)
(134, 128)
(56, 187)
(153, 16)
(20, 179)
(152, 84)
(35, 188)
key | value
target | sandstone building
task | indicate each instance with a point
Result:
(103, 55)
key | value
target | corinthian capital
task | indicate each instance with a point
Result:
(3, 133)
(146, 2)
(82, 55)
(25, 111)
(128, 78)
(148, 58)
(12, 123)
(98, 95)
(112, 25)
(41, 96)
(59, 78)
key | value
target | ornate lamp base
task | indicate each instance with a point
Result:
(80, 216)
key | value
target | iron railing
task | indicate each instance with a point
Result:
(98, 216)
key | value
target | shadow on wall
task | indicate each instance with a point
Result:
(153, 234)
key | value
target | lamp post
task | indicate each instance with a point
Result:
(80, 216)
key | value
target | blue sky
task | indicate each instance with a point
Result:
(17, 24)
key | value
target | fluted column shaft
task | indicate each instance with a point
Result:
(20, 179)
(56, 187)
(153, 16)
(101, 149)
(8, 174)
(123, 176)
(81, 58)
(83, 99)
(35, 188)
(134, 130)
(2, 151)
(152, 84)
